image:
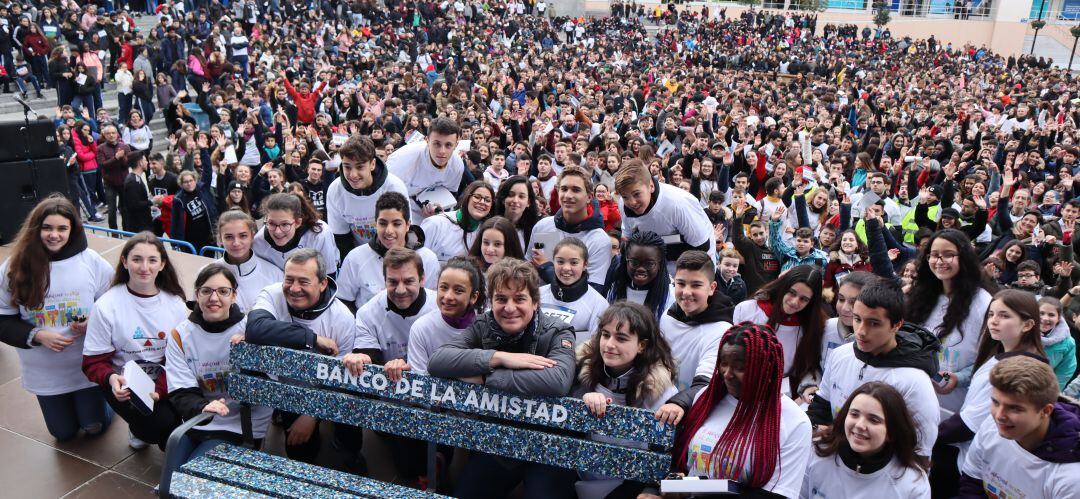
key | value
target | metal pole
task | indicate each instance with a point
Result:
(1073, 53)
(1042, 5)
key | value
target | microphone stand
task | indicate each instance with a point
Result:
(30, 194)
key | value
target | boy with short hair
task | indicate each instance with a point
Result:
(1028, 279)
(351, 198)
(886, 349)
(361, 275)
(546, 175)
(1030, 447)
(693, 327)
(496, 172)
(674, 214)
(579, 216)
(803, 253)
(728, 280)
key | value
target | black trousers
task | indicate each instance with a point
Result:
(153, 428)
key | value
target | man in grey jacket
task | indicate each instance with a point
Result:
(513, 347)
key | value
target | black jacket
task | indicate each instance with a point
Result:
(136, 205)
(915, 347)
(265, 329)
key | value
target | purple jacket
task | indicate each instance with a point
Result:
(1061, 445)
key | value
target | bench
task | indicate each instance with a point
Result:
(546, 430)
(239, 472)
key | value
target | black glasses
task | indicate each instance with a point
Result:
(222, 292)
(645, 264)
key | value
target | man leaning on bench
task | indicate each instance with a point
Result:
(496, 390)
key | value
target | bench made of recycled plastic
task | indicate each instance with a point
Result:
(627, 443)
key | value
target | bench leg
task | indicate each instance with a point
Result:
(432, 467)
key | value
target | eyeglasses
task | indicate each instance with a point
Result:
(480, 198)
(645, 264)
(1026, 275)
(276, 226)
(223, 292)
(942, 257)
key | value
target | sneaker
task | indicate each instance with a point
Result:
(135, 443)
(94, 429)
(97, 219)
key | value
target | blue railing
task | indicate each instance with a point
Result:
(212, 251)
(177, 244)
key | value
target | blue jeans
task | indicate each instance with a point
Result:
(83, 100)
(80, 194)
(242, 61)
(90, 181)
(65, 414)
(21, 82)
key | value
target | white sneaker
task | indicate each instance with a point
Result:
(135, 443)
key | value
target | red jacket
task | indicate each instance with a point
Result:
(610, 211)
(127, 55)
(305, 103)
(35, 44)
(85, 154)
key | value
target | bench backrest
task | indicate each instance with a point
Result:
(538, 429)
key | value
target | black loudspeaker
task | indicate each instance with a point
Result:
(41, 136)
(23, 186)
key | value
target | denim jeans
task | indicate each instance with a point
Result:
(83, 100)
(66, 413)
(80, 194)
(90, 182)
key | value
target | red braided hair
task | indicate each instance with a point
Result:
(754, 429)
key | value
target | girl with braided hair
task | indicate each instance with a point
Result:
(640, 275)
(740, 427)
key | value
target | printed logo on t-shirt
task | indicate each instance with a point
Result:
(363, 228)
(559, 312)
(999, 488)
(196, 208)
(318, 199)
(58, 311)
(722, 468)
(147, 340)
(949, 359)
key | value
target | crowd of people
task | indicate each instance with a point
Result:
(841, 263)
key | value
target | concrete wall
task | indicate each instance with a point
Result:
(1003, 33)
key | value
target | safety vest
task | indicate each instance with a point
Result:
(909, 227)
(860, 230)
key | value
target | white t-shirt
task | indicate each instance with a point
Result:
(694, 347)
(379, 327)
(844, 373)
(251, 277)
(322, 241)
(582, 314)
(361, 274)
(412, 164)
(346, 212)
(639, 295)
(444, 237)
(831, 338)
(596, 240)
(335, 323)
(789, 336)
(795, 447)
(958, 353)
(675, 213)
(74, 284)
(428, 333)
(201, 360)
(133, 327)
(1008, 470)
(828, 478)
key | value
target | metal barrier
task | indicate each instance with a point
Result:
(216, 250)
(177, 244)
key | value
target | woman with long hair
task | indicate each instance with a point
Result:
(496, 240)
(197, 359)
(293, 223)
(236, 233)
(48, 288)
(450, 234)
(870, 452)
(129, 323)
(949, 298)
(1010, 328)
(517, 202)
(741, 427)
(86, 148)
(641, 275)
(792, 305)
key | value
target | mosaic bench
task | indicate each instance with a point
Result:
(230, 471)
(627, 443)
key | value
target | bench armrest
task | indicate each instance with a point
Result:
(173, 459)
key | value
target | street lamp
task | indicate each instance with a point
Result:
(1038, 24)
(1075, 32)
